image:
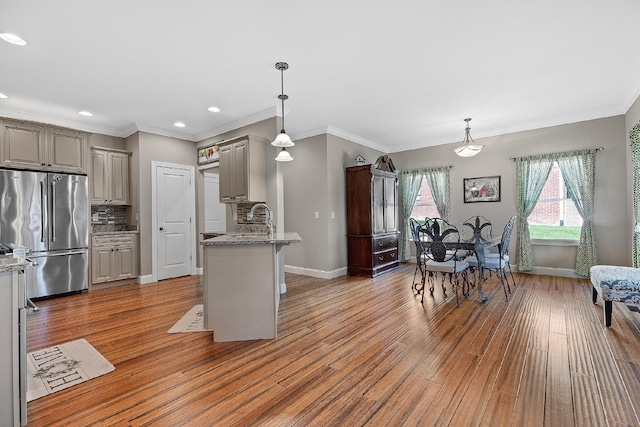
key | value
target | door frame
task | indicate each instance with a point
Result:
(191, 195)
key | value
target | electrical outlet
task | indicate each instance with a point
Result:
(317, 215)
(333, 215)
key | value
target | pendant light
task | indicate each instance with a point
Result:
(468, 150)
(283, 140)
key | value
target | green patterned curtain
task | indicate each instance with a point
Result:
(634, 135)
(439, 182)
(410, 182)
(531, 175)
(578, 170)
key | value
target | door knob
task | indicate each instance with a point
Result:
(161, 228)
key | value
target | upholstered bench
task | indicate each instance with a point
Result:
(615, 283)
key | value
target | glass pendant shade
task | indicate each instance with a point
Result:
(282, 140)
(284, 156)
(468, 150)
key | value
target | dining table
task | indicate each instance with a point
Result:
(478, 245)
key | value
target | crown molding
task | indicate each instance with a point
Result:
(165, 132)
(55, 121)
(355, 138)
(236, 124)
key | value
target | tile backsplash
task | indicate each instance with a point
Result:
(105, 214)
(109, 218)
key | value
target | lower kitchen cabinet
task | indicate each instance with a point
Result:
(113, 257)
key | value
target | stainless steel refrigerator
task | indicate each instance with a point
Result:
(48, 214)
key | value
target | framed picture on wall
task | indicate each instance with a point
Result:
(482, 189)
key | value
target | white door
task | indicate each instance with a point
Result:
(173, 187)
(215, 215)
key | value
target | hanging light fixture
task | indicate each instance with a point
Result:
(468, 150)
(283, 140)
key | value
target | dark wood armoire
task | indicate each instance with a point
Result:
(372, 218)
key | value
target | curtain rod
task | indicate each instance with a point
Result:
(426, 169)
(516, 158)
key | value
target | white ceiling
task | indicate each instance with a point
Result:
(394, 75)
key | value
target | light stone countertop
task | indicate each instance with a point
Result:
(9, 263)
(278, 238)
(104, 233)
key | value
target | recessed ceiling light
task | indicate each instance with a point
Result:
(13, 39)
(179, 124)
(214, 109)
(86, 113)
(3, 96)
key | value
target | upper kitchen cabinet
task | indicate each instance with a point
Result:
(243, 170)
(33, 146)
(109, 181)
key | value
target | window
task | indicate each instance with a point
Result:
(425, 206)
(555, 216)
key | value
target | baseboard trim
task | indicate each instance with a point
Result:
(312, 272)
(147, 278)
(551, 271)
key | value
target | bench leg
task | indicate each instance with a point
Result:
(595, 294)
(607, 313)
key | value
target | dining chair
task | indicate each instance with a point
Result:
(414, 224)
(476, 227)
(499, 262)
(440, 236)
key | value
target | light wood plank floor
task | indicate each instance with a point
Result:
(351, 351)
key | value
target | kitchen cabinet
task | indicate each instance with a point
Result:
(372, 218)
(243, 170)
(33, 146)
(109, 183)
(113, 257)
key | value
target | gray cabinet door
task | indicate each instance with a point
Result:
(23, 145)
(66, 150)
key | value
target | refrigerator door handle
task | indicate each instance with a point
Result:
(53, 211)
(33, 257)
(42, 208)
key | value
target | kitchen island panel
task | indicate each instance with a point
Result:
(241, 295)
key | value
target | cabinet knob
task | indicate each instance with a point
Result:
(161, 228)
(381, 258)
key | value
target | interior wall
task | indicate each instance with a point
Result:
(107, 141)
(305, 193)
(158, 148)
(613, 238)
(631, 119)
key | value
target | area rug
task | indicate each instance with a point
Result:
(190, 322)
(61, 366)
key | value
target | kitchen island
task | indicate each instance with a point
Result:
(241, 286)
(13, 347)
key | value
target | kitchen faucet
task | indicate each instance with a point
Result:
(266, 208)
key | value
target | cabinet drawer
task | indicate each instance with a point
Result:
(113, 240)
(385, 243)
(386, 257)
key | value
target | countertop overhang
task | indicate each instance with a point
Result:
(9, 263)
(283, 238)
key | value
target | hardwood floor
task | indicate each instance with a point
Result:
(351, 351)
